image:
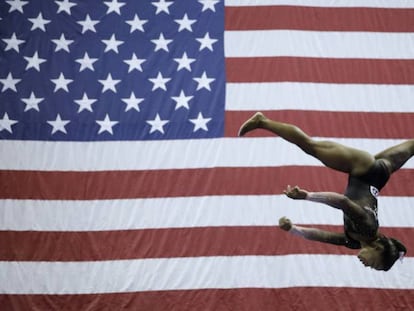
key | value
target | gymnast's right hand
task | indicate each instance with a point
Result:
(285, 224)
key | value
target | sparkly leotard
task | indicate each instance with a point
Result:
(364, 190)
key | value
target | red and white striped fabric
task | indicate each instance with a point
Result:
(192, 225)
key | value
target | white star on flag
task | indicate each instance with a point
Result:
(208, 4)
(114, 6)
(106, 125)
(9, 83)
(184, 62)
(136, 23)
(64, 6)
(13, 43)
(132, 102)
(185, 23)
(159, 82)
(39, 22)
(112, 44)
(162, 6)
(88, 24)
(17, 5)
(62, 43)
(182, 100)
(161, 43)
(200, 123)
(109, 83)
(134, 63)
(157, 124)
(34, 61)
(32, 102)
(6, 123)
(58, 125)
(204, 82)
(206, 42)
(85, 103)
(86, 62)
(61, 83)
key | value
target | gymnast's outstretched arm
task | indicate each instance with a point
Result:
(312, 234)
(332, 199)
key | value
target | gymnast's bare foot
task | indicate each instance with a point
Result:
(252, 123)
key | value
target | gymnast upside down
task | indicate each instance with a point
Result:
(367, 175)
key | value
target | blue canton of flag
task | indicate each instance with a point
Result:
(111, 70)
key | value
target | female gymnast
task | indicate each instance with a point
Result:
(368, 174)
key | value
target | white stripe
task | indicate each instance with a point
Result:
(325, 3)
(319, 44)
(199, 273)
(189, 212)
(182, 154)
(320, 96)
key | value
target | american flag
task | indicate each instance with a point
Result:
(123, 184)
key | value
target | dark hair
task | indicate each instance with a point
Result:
(392, 250)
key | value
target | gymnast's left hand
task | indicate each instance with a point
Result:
(295, 193)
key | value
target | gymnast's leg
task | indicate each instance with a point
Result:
(396, 156)
(333, 155)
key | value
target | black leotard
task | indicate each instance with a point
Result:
(364, 190)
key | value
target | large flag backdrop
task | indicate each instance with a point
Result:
(123, 184)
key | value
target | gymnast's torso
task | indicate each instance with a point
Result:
(364, 190)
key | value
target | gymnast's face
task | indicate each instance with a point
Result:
(372, 257)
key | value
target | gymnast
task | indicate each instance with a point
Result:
(367, 175)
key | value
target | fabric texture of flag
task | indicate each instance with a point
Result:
(124, 186)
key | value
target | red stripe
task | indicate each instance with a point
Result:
(332, 123)
(263, 299)
(325, 70)
(165, 243)
(318, 18)
(186, 182)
